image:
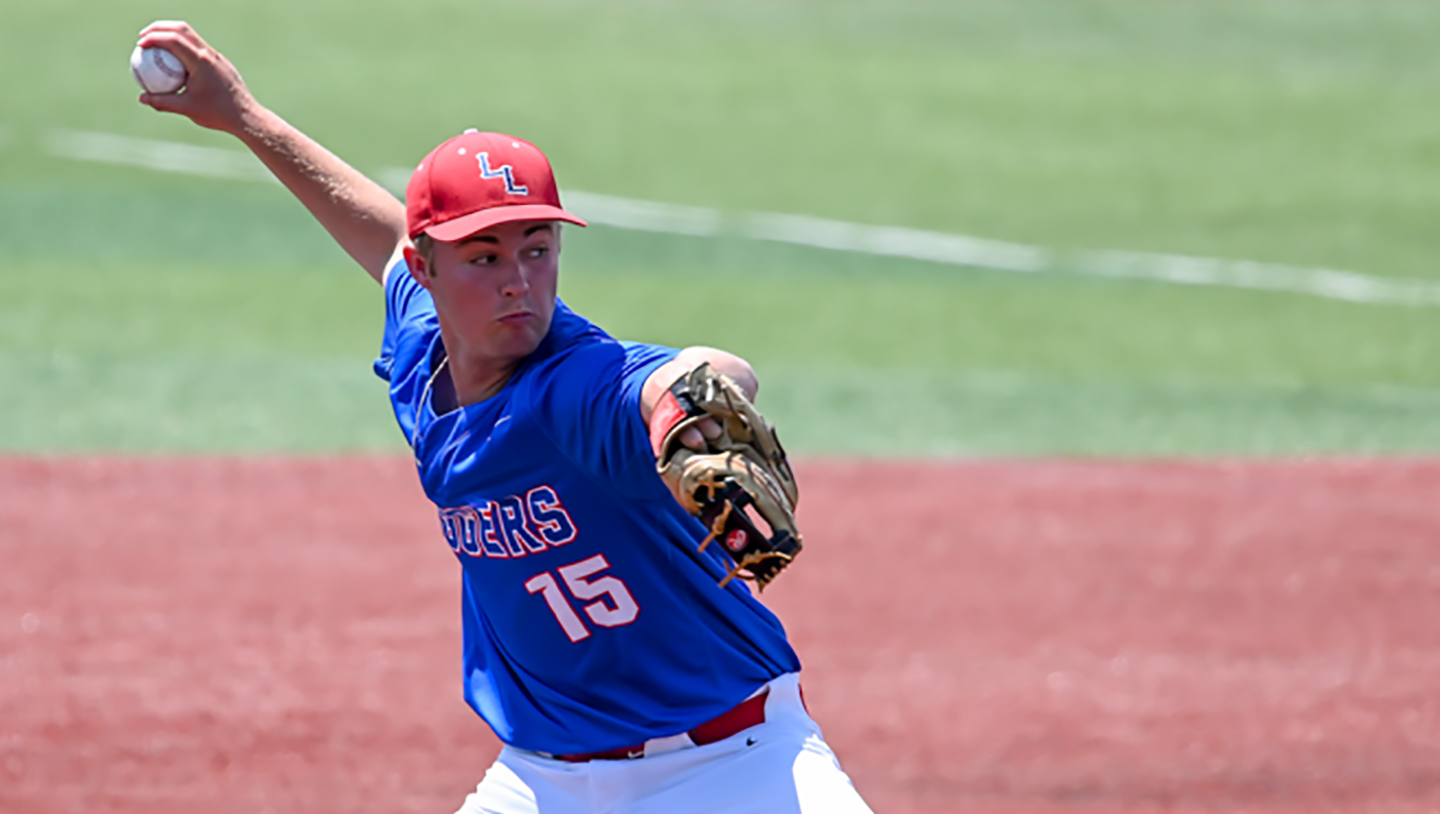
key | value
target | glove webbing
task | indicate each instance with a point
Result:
(762, 557)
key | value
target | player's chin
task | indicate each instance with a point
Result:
(520, 337)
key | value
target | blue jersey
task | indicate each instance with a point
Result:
(591, 620)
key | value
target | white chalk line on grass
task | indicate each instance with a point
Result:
(804, 230)
(165, 156)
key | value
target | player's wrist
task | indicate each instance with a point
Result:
(257, 125)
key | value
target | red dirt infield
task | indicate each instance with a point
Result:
(282, 635)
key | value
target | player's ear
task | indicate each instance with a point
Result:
(415, 262)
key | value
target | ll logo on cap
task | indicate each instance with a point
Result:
(503, 171)
(448, 200)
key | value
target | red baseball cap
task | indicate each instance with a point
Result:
(476, 180)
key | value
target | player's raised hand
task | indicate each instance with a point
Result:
(214, 95)
(368, 222)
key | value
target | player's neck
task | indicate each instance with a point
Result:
(471, 376)
(476, 382)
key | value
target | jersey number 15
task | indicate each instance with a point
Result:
(621, 609)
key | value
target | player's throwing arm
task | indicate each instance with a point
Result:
(363, 218)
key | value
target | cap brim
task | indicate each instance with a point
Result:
(467, 225)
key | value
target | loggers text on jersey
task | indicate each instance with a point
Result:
(513, 526)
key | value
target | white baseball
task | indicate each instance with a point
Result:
(157, 70)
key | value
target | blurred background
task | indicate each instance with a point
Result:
(160, 301)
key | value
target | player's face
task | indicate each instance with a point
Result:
(495, 290)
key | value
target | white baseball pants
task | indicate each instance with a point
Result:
(782, 766)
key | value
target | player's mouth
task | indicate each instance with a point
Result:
(516, 318)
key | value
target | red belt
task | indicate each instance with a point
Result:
(742, 716)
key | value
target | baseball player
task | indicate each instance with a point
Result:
(605, 645)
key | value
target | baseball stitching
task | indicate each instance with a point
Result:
(166, 69)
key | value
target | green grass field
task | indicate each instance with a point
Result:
(141, 311)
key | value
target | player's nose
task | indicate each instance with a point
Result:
(514, 278)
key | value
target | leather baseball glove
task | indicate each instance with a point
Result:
(742, 473)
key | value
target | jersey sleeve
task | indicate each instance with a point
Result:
(590, 409)
(406, 302)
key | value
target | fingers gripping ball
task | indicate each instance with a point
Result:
(157, 70)
(743, 468)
